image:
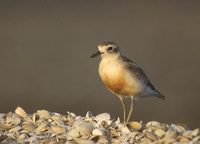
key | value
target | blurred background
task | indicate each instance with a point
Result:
(45, 48)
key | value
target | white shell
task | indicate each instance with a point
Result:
(159, 132)
(100, 132)
(21, 112)
(172, 131)
(101, 117)
(43, 114)
(83, 127)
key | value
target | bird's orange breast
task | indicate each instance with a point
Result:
(117, 84)
(118, 79)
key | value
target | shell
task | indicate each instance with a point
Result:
(82, 141)
(151, 136)
(41, 128)
(168, 140)
(43, 114)
(172, 131)
(58, 129)
(125, 130)
(195, 132)
(21, 112)
(29, 127)
(83, 127)
(152, 124)
(184, 140)
(72, 133)
(100, 132)
(104, 116)
(197, 138)
(187, 134)
(146, 140)
(136, 125)
(89, 115)
(160, 133)
(15, 129)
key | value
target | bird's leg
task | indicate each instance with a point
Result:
(131, 109)
(124, 108)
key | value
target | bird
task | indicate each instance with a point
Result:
(123, 77)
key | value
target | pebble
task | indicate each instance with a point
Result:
(50, 127)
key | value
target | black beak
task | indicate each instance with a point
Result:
(96, 54)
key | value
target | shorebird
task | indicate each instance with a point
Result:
(123, 77)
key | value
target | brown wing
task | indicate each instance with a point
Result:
(140, 74)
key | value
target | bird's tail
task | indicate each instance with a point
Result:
(160, 96)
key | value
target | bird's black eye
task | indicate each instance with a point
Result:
(110, 48)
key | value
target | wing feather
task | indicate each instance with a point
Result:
(141, 75)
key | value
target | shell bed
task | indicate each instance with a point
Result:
(44, 127)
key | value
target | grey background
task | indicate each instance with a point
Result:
(45, 48)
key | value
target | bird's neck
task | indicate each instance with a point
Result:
(110, 62)
(110, 57)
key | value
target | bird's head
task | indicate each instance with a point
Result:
(107, 49)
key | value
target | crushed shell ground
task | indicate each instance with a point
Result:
(44, 127)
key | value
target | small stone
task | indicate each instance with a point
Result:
(21, 112)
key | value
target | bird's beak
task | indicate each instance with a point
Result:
(96, 54)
